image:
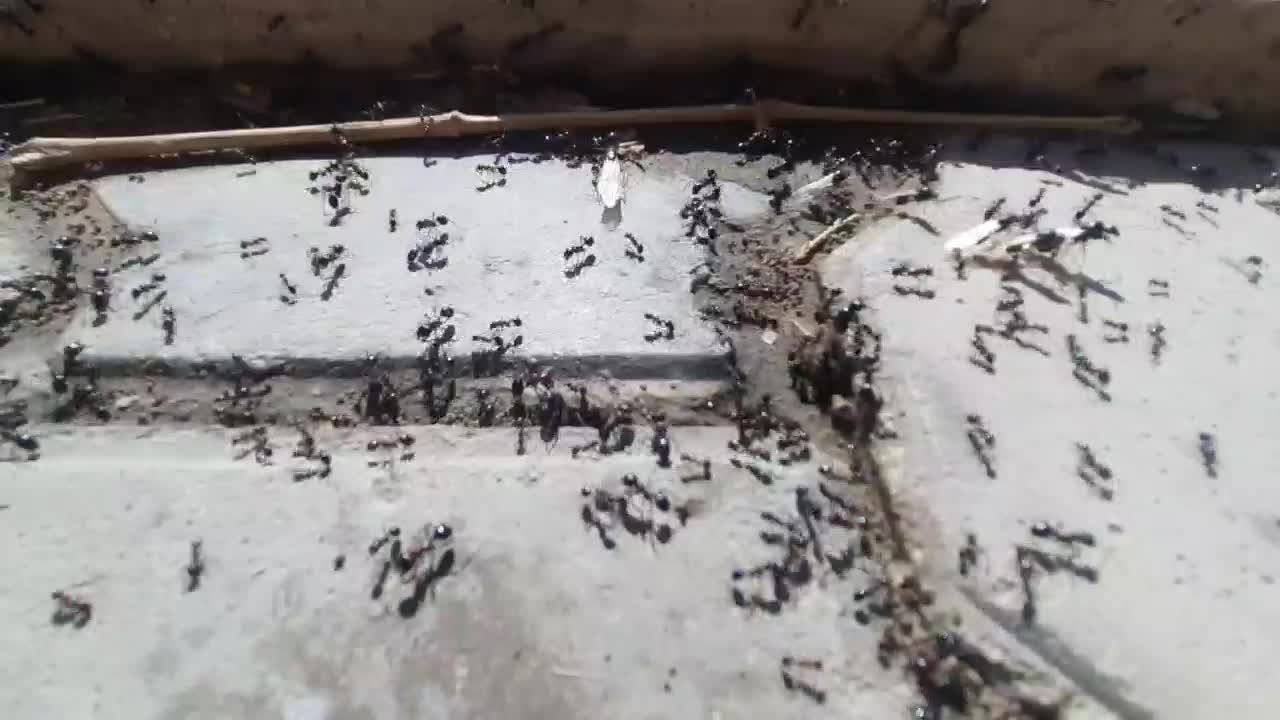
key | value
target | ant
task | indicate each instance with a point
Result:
(1093, 472)
(636, 251)
(904, 270)
(168, 323)
(71, 609)
(1209, 453)
(431, 222)
(157, 279)
(968, 554)
(1156, 331)
(584, 242)
(392, 221)
(1045, 531)
(1089, 205)
(290, 296)
(341, 213)
(576, 269)
(332, 283)
(984, 358)
(1158, 288)
(982, 442)
(664, 329)
(1122, 330)
(320, 262)
(195, 568)
(918, 292)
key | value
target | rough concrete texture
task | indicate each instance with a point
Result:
(505, 258)
(1182, 621)
(1145, 54)
(537, 619)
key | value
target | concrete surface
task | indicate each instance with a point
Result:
(537, 619)
(1142, 54)
(505, 259)
(1182, 621)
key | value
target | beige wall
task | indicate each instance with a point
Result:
(1228, 53)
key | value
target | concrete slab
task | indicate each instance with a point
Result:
(505, 258)
(1183, 618)
(537, 619)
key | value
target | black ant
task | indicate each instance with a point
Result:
(1158, 343)
(576, 269)
(982, 442)
(664, 330)
(392, 221)
(1045, 531)
(431, 222)
(168, 323)
(968, 554)
(904, 270)
(71, 609)
(584, 242)
(332, 283)
(1093, 472)
(195, 568)
(1093, 201)
(341, 213)
(1122, 332)
(636, 251)
(1209, 453)
(290, 295)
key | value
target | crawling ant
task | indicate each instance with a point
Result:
(1156, 332)
(1209, 453)
(968, 554)
(332, 283)
(778, 196)
(195, 568)
(290, 295)
(576, 269)
(664, 329)
(71, 609)
(246, 244)
(904, 270)
(982, 442)
(157, 279)
(341, 213)
(925, 293)
(1093, 472)
(1039, 196)
(431, 222)
(983, 357)
(584, 242)
(392, 221)
(1122, 332)
(168, 323)
(321, 261)
(1088, 206)
(661, 445)
(993, 209)
(757, 472)
(636, 251)
(1045, 531)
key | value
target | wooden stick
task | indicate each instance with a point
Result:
(43, 153)
(811, 248)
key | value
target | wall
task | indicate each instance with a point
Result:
(1114, 54)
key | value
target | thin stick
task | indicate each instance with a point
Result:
(44, 153)
(811, 248)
